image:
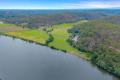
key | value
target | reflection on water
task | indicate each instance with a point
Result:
(20, 60)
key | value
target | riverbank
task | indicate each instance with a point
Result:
(82, 55)
(59, 42)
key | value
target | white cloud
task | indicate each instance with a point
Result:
(94, 5)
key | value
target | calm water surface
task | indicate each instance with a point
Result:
(20, 60)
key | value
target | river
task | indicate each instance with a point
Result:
(21, 60)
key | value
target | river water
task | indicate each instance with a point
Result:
(21, 60)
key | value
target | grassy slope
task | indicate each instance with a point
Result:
(38, 36)
(23, 33)
(4, 25)
(61, 36)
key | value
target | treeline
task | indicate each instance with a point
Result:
(38, 18)
(102, 39)
(50, 39)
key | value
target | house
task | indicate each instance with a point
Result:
(75, 38)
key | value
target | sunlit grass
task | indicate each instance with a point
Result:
(61, 35)
(34, 35)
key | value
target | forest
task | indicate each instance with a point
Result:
(102, 39)
(38, 18)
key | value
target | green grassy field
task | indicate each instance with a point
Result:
(5, 25)
(38, 36)
(61, 36)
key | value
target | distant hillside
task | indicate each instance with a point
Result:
(113, 19)
(102, 39)
(38, 18)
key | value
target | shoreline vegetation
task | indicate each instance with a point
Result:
(55, 37)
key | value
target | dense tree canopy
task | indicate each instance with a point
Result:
(102, 39)
(38, 18)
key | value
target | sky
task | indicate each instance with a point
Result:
(59, 4)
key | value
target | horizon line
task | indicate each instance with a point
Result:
(59, 9)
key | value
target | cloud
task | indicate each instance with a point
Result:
(94, 5)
